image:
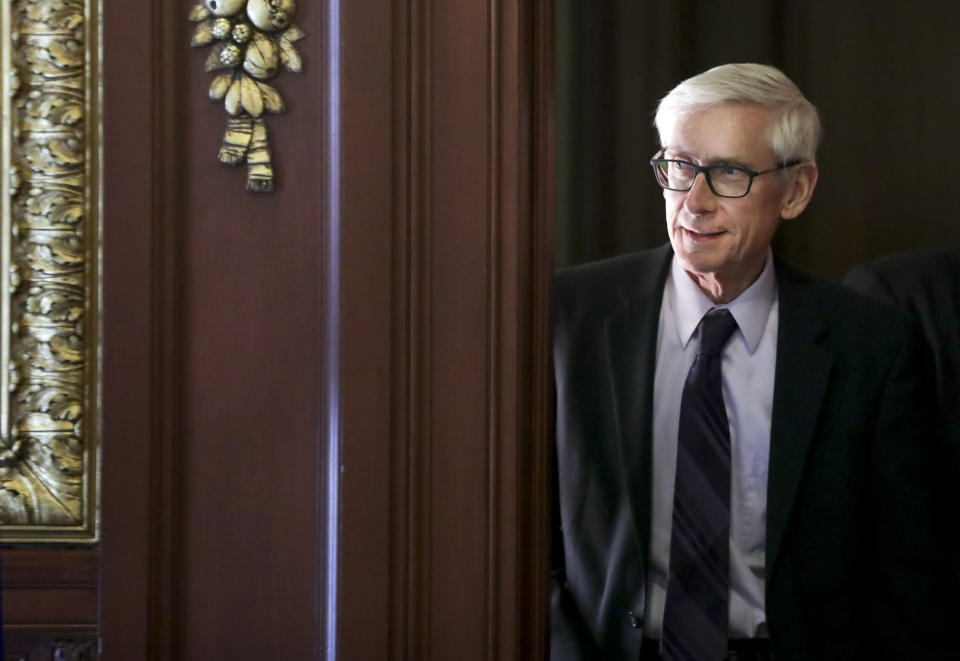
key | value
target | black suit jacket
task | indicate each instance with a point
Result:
(849, 552)
(926, 284)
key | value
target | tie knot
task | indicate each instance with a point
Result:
(716, 327)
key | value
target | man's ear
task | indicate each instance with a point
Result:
(803, 180)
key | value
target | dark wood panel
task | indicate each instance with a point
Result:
(214, 371)
(46, 589)
(247, 467)
(50, 603)
(212, 358)
(140, 330)
(464, 221)
(64, 647)
(373, 578)
(250, 388)
(443, 508)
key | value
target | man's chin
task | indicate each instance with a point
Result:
(699, 262)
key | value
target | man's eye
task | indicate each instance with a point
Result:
(730, 171)
(680, 165)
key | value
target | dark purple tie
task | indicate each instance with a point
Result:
(695, 619)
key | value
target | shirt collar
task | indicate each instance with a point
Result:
(750, 309)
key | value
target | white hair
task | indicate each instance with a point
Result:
(795, 129)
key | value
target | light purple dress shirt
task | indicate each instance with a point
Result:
(748, 365)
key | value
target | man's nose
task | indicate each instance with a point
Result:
(700, 199)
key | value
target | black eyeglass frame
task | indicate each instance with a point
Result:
(705, 169)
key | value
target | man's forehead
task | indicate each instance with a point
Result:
(728, 131)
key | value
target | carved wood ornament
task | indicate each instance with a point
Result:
(252, 40)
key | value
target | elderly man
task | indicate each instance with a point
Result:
(740, 446)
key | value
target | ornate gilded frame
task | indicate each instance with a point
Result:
(50, 253)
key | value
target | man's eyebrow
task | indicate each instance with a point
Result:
(732, 162)
(720, 161)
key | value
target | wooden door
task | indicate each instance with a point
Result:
(323, 408)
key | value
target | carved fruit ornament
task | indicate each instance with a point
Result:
(251, 41)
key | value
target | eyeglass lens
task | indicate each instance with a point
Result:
(723, 180)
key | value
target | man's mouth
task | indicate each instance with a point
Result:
(701, 235)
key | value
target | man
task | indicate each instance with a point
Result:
(747, 483)
(926, 284)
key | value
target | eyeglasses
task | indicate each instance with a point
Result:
(723, 180)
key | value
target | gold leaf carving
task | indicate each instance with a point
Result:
(13, 504)
(54, 206)
(232, 102)
(289, 57)
(271, 98)
(220, 85)
(252, 45)
(260, 60)
(250, 96)
(199, 13)
(55, 15)
(48, 462)
(51, 56)
(203, 34)
(58, 109)
(214, 61)
(293, 33)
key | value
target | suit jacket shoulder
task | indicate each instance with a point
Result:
(926, 284)
(602, 287)
(818, 306)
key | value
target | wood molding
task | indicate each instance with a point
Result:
(536, 399)
(446, 266)
(50, 596)
(142, 363)
(167, 289)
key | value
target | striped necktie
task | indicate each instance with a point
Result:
(695, 618)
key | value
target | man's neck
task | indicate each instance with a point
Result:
(721, 290)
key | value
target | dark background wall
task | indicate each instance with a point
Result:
(883, 75)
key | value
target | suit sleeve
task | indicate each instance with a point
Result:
(867, 281)
(569, 638)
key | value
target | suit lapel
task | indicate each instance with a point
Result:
(631, 341)
(802, 373)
